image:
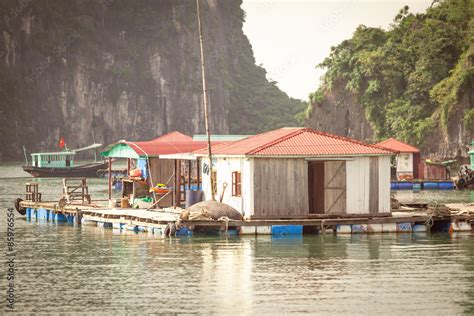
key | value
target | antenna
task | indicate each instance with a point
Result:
(204, 92)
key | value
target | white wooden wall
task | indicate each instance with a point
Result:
(405, 162)
(358, 177)
(384, 184)
(357, 173)
(247, 186)
(224, 168)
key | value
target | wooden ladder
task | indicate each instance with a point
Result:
(32, 193)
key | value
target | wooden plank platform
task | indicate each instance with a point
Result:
(148, 218)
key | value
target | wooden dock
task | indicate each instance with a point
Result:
(167, 222)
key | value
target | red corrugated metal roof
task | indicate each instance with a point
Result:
(174, 137)
(155, 148)
(297, 141)
(171, 143)
(397, 145)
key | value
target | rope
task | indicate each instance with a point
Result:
(226, 219)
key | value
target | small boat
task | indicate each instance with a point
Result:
(61, 164)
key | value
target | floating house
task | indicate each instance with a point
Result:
(429, 170)
(299, 173)
(146, 156)
(169, 175)
(407, 159)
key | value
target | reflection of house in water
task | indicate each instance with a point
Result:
(227, 270)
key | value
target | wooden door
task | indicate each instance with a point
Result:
(316, 187)
(374, 185)
(335, 187)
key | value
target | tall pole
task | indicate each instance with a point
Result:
(26, 157)
(206, 115)
(110, 178)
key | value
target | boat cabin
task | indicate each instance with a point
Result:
(299, 173)
(63, 159)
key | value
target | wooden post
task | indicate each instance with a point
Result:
(175, 184)
(128, 166)
(78, 218)
(189, 175)
(204, 92)
(198, 171)
(110, 178)
(178, 182)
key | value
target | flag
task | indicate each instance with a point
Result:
(61, 142)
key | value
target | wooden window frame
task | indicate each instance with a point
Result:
(236, 183)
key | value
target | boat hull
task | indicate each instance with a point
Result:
(86, 171)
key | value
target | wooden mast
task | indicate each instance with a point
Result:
(206, 115)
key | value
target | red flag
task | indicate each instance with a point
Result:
(61, 143)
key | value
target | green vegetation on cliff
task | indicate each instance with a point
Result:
(409, 79)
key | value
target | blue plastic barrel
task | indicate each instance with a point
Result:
(448, 185)
(193, 197)
(430, 186)
(405, 185)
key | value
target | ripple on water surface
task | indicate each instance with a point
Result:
(61, 268)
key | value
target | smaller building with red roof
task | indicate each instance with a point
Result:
(147, 156)
(407, 160)
(299, 173)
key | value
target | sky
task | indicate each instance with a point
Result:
(291, 37)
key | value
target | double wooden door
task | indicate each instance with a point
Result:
(327, 187)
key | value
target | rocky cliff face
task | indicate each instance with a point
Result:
(339, 113)
(101, 71)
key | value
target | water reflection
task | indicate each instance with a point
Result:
(63, 269)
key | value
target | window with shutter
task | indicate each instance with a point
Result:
(236, 184)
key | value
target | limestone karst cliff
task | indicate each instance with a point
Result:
(105, 70)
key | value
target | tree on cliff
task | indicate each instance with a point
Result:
(410, 79)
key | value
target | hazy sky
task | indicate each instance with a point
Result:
(290, 38)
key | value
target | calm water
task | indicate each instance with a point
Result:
(61, 268)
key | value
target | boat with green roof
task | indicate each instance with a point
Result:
(61, 164)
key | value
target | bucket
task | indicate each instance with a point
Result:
(193, 197)
(124, 202)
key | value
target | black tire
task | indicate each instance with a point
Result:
(18, 208)
(172, 229)
(167, 230)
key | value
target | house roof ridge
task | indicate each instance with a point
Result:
(301, 130)
(296, 131)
